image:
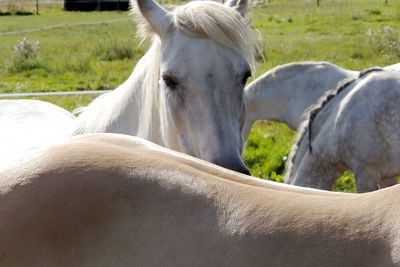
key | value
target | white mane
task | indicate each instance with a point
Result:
(301, 132)
(145, 75)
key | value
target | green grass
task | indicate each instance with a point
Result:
(267, 149)
(331, 32)
(89, 57)
(69, 102)
(102, 56)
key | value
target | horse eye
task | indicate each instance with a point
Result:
(246, 75)
(170, 81)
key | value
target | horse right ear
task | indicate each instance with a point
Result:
(239, 5)
(151, 17)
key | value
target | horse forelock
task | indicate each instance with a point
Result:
(221, 24)
(209, 19)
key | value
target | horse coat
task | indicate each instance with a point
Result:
(112, 200)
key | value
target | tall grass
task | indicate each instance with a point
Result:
(385, 41)
(114, 49)
(79, 65)
(26, 56)
(72, 58)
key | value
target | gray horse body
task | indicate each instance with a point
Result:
(356, 130)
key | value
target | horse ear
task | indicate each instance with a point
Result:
(239, 5)
(157, 17)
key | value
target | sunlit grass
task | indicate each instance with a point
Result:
(267, 149)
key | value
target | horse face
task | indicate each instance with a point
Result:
(202, 97)
(202, 110)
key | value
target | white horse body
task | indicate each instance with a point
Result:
(26, 123)
(356, 130)
(90, 201)
(393, 67)
(285, 92)
(186, 93)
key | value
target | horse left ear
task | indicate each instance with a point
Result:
(239, 5)
(157, 17)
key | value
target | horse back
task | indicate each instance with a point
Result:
(123, 203)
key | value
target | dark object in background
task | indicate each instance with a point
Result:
(90, 5)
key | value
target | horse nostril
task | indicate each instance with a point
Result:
(242, 169)
(245, 171)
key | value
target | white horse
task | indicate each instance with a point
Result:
(285, 92)
(26, 123)
(354, 127)
(110, 200)
(393, 67)
(186, 93)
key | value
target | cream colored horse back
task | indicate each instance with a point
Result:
(111, 200)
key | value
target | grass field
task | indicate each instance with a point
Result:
(351, 34)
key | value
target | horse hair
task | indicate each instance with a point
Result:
(209, 19)
(212, 20)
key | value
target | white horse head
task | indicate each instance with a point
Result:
(187, 92)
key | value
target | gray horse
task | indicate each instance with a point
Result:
(354, 127)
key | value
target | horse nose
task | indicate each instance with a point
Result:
(238, 167)
(234, 165)
(245, 171)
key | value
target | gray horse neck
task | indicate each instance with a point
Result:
(330, 95)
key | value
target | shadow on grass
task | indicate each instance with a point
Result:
(16, 13)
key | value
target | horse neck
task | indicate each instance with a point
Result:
(312, 86)
(283, 94)
(129, 109)
(268, 98)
